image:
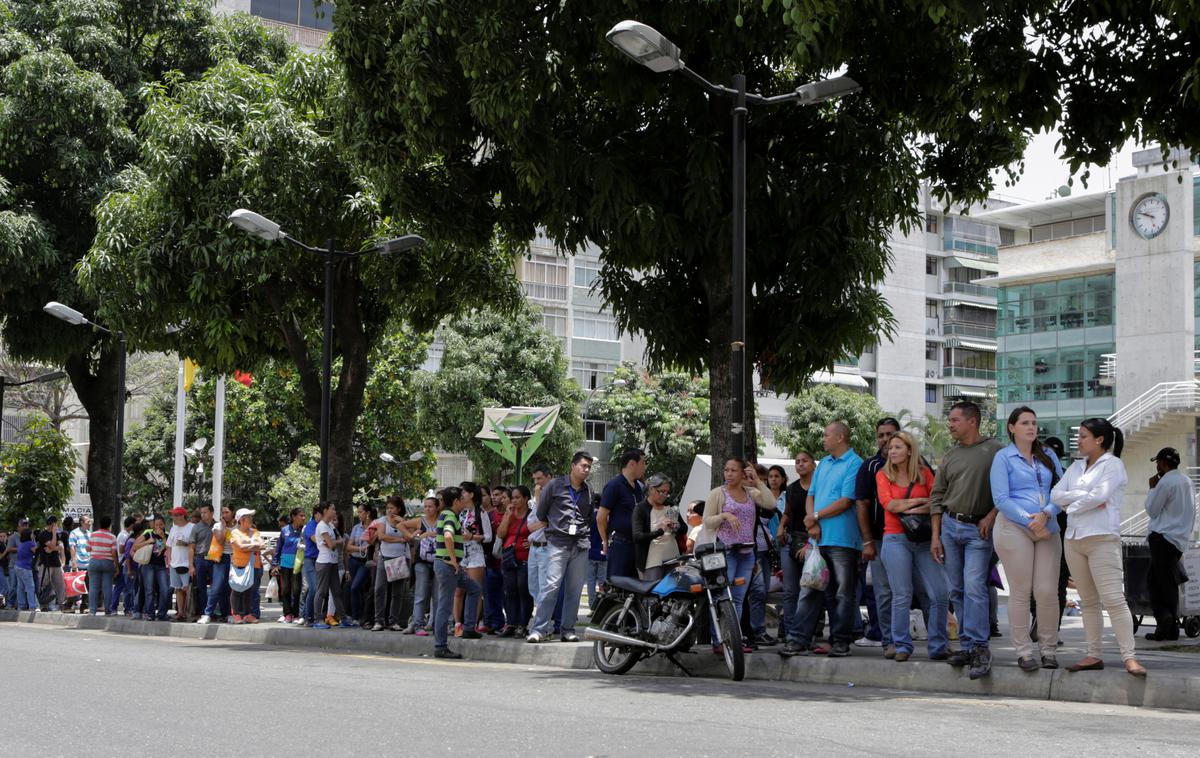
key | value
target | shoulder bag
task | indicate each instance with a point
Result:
(398, 568)
(918, 527)
(143, 554)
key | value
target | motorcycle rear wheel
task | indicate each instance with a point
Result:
(612, 658)
(731, 636)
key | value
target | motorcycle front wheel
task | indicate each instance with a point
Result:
(731, 636)
(613, 658)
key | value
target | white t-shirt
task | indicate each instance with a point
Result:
(700, 535)
(324, 553)
(178, 540)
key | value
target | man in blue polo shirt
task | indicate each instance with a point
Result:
(833, 520)
(614, 519)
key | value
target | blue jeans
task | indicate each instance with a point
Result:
(4, 584)
(539, 562)
(597, 574)
(448, 581)
(907, 563)
(493, 597)
(118, 592)
(100, 584)
(310, 588)
(758, 594)
(133, 588)
(881, 585)
(968, 564)
(26, 596)
(739, 564)
(843, 578)
(565, 573)
(199, 586)
(360, 577)
(423, 593)
(218, 591)
(157, 590)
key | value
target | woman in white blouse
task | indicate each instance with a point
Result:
(1090, 492)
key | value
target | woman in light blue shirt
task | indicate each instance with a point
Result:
(1026, 534)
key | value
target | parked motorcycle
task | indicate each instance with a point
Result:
(635, 619)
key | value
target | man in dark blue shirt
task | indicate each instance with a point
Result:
(615, 517)
(565, 507)
(879, 607)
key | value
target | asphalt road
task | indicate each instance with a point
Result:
(72, 693)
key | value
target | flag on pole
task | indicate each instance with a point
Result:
(189, 374)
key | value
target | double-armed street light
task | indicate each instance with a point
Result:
(53, 376)
(650, 48)
(264, 228)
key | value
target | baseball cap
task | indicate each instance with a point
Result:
(179, 510)
(1168, 454)
(242, 512)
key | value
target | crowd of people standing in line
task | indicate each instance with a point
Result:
(513, 562)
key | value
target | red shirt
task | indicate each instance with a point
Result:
(102, 545)
(888, 490)
(519, 537)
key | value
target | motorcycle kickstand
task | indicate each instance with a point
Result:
(671, 657)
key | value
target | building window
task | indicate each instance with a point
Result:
(767, 425)
(931, 265)
(587, 273)
(544, 277)
(931, 394)
(555, 321)
(1008, 237)
(931, 309)
(931, 351)
(869, 350)
(307, 13)
(931, 223)
(591, 374)
(595, 326)
(595, 430)
(1069, 228)
(83, 487)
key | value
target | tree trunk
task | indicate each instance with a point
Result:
(750, 433)
(95, 382)
(717, 285)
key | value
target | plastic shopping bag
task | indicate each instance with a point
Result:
(816, 573)
(272, 590)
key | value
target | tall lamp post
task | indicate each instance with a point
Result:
(260, 226)
(53, 376)
(75, 318)
(389, 458)
(648, 47)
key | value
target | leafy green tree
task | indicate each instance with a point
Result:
(495, 359)
(811, 410)
(664, 413)
(299, 485)
(37, 474)
(270, 141)
(70, 76)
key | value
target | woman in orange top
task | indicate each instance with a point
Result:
(904, 485)
(247, 543)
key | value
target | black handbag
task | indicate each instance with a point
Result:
(918, 527)
(772, 551)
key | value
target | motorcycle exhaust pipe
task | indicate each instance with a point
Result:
(591, 633)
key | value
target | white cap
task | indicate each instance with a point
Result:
(242, 512)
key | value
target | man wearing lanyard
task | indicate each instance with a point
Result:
(615, 517)
(565, 507)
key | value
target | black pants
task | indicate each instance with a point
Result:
(518, 603)
(1164, 585)
(289, 591)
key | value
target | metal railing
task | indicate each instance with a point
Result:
(969, 330)
(1162, 398)
(1108, 365)
(969, 373)
(967, 288)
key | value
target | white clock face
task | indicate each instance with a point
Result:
(1149, 215)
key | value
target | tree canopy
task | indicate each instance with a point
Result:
(810, 411)
(36, 474)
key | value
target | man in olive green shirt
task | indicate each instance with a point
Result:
(963, 514)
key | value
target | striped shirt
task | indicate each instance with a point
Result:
(101, 544)
(448, 524)
(79, 547)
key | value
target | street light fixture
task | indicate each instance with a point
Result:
(75, 318)
(262, 227)
(399, 462)
(5, 382)
(650, 48)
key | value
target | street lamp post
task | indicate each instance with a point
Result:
(53, 376)
(75, 318)
(260, 226)
(648, 47)
(389, 458)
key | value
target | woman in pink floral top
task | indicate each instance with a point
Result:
(729, 511)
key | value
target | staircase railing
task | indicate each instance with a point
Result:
(1154, 402)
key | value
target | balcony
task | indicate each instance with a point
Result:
(967, 288)
(969, 330)
(1108, 367)
(306, 37)
(963, 372)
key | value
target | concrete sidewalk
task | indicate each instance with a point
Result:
(1173, 681)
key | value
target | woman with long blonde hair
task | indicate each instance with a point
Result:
(904, 485)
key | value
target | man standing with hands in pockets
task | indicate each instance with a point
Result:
(963, 515)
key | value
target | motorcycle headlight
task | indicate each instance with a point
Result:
(713, 562)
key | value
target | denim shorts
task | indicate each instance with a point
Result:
(473, 555)
(179, 581)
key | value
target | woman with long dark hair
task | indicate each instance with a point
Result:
(1026, 534)
(477, 529)
(1091, 491)
(289, 573)
(514, 532)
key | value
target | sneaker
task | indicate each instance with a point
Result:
(421, 633)
(137, 617)
(101, 613)
(569, 638)
(995, 632)
(867, 642)
(749, 646)
(299, 622)
(321, 625)
(508, 631)
(840, 650)
(791, 648)
(958, 658)
(471, 634)
(446, 652)
(408, 629)
(205, 620)
(1027, 663)
(943, 655)
(889, 652)
(349, 624)
(483, 629)
(534, 638)
(377, 628)
(765, 640)
(396, 628)
(284, 620)
(819, 649)
(1049, 662)
(981, 663)
(901, 656)
(251, 619)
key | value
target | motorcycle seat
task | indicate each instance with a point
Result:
(636, 586)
